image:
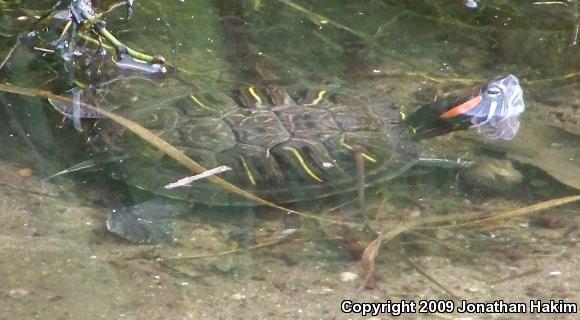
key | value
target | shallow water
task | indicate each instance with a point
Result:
(59, 261)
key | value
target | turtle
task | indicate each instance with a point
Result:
(286, 150)
(281, 145)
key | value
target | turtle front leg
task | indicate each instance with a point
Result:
(484, 173)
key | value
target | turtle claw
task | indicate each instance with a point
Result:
(147, 223)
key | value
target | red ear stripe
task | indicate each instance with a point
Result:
(462, 108)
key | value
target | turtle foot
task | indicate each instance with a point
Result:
(146, 223)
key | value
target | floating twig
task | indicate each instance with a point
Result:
(186, 182)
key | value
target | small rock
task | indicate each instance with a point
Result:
(237, 296)
(415, 214)
(54, 298)
(324, 291)
(226, 264)
(443, 234)
(35, 232)
(16, 293)
(348, 276)
(25, 172)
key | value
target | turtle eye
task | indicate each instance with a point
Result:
(493, 91)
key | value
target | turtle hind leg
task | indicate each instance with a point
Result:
(149, 222)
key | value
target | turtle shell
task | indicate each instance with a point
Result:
(281, 148)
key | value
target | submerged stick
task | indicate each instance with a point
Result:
(370, 253)
(233, 251)
(525, 210)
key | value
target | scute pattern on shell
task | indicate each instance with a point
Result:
(284, 153)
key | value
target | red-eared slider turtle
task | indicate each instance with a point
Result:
(287, 151)
(283, 147)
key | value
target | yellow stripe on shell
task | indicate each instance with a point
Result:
(248, 171)
(252, 91)
(194, 98)
(364, 155)
(321, 94)
(303, 164)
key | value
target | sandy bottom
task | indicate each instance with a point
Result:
(58, 262)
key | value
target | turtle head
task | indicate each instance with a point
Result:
(493, 111)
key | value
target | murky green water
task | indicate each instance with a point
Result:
(248, 262)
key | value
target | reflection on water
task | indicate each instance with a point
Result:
(251, 261)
